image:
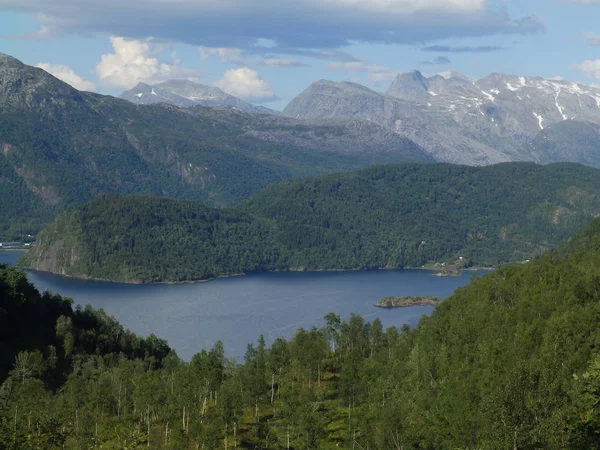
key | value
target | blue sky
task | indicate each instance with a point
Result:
(267, 51)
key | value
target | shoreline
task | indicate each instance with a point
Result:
(206, 280)
(136, 282)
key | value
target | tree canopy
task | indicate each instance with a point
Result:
(395, 216)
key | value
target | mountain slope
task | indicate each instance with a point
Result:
(185, 93)
(569, 140)
(60, 147)
(509, 361)
(392, 216)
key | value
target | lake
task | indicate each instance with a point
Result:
(237, 310)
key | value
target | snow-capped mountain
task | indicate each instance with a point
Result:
(185, 93)
(501, 104)
(460, 120)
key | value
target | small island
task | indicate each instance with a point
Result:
(405, 302)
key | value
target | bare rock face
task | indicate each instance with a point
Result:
(28, 88)
(185, 93)
(438, 134)
(456, 119)
(569, 140)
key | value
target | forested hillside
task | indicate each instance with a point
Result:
(149, 239)
(509, 361)
(393, 216)
(60, 147)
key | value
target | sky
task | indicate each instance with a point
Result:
(268, 51)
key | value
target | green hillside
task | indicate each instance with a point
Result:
(509, 361)
(383, 217)
(146, 239)
(60, 148)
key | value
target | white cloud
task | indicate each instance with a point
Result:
(135, 61)
(245, 83)
(306, 24)
(592, 39)
(67, 75)
(590, 67)
(377, 74)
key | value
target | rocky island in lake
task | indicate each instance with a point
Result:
(405, 302)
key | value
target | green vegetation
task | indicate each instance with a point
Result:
(509, 361)
(60, 148)
(151, 239)
(393, 216)
(57, 163)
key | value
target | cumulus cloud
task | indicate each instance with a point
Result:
(590, 67)
(462, 49)
(592, 39)
(376, 73)
(307, 24)
(440, 60)
(245, 83)
(67, 75)
(135, 61)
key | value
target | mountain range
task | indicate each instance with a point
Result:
(60, 147)
(185, 93)
(459, 120)
(454, 118)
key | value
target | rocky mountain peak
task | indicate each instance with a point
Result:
(411, 86)
(187, 93)
(32, 88)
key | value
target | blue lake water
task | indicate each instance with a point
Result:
(237, 310)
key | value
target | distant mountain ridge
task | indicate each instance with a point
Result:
(459, 120)
(510, 104)
(185, 93)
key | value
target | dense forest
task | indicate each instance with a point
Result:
(509, 361)
(394, 216)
